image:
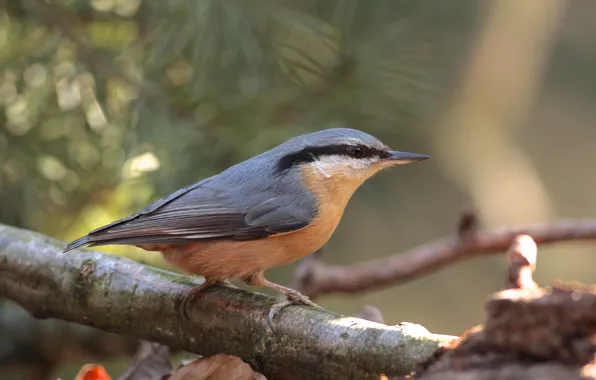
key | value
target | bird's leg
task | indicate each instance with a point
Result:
(258, 280)
(294, 297)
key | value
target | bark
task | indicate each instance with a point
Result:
(529, 332)
(535, 333)
(119, 295)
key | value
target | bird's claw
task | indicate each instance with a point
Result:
(298, 299)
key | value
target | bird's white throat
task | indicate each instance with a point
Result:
(338, 166)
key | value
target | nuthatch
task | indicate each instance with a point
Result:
(267, 211)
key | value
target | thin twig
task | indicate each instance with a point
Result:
(316, 278)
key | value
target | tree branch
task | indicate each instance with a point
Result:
(119, 295)
(315, 278)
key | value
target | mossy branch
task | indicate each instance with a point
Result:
(119, 295)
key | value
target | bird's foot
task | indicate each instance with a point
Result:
(294, 297)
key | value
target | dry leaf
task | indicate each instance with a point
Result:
(92, 372)
(151, 362)
(217, 367)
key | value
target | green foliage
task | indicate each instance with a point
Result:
(106, 104)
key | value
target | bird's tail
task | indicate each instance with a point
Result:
(77, 243)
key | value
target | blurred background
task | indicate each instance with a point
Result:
(107, 105)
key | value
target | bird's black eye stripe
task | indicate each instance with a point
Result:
(311, 153)
(384, 154)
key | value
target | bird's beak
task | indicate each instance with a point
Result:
(399, 158)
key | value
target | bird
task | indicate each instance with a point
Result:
(270, 210)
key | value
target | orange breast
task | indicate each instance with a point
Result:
(225, 259)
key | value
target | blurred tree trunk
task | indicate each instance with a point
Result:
(476, 144)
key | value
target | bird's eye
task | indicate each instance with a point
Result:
(356, 151)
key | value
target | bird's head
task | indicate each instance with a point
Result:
(342, 155)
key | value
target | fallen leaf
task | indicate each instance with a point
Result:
(92, 372)
(217, 367)
(151, 362)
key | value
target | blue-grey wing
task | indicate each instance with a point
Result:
(200, 213)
